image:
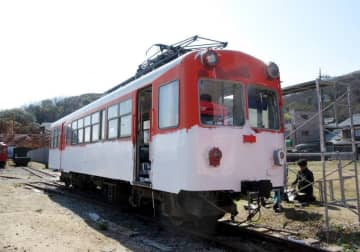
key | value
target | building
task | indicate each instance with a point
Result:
(344, 143)
(301, 108)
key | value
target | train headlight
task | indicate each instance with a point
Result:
(215, 156)
(272, 70)
(209, 58)
(279, 157)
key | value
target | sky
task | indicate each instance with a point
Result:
(62, 48)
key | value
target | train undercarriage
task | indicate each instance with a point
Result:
(200, 209)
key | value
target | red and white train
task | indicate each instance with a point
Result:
(199, 127)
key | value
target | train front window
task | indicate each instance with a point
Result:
(263, 108)
(221, 103)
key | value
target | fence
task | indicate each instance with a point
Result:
(40, 155)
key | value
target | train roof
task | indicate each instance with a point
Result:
(165, 58)
(122, 90)
(129, 86)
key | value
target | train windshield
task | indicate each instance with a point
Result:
(221, 103)
(263, 108)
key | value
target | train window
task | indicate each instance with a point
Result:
(113, 128)
(68, 134)
(125, 118)
(80, 123)
(125, 126)
(103, 121)
(87, 134)
(74, 132)
(80, 135)
(52, 139)
(125, 107)
(169, 105)
(55, 138)
(95, 118)
(87, 121)
(263, 108)
(221, 103)
(80, 131)
(113, 111)
(113, 121)
(74, 125)
(95, 133)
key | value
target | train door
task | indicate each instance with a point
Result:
(142, 160)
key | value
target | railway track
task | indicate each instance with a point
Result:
(265, 238)
(229, 235)
(39, 173)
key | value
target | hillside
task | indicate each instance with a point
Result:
(307, 101)
(27, 120)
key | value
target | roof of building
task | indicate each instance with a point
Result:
(346, 123)
(342, 79)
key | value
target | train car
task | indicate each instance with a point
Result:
(20, 156)
(194, 129)
(3, 154)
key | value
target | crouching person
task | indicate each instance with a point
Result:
(304, 181)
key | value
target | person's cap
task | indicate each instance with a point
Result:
(302, 162)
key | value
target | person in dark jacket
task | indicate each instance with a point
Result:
(304, 180)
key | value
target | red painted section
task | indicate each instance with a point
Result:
(3, 152)
(215, 156)
(249, 139)
(62, 143)
(232, 65)
(213, 109)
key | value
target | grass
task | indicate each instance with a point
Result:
(344, 229)
(309, 221)
(332, 175)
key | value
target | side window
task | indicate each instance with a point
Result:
(113, 121)
(74, 132)
(56, 138)
(87, 129)
(54, 141)
(103, 122)
(169, 105)
(80, 124)
(95, 120)
(68, 134)
(125, 118)
(52, 138)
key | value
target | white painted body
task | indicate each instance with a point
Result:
(112, 159)
(179, 160)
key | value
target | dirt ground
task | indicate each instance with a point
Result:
(31, 220)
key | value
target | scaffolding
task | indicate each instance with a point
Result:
(343, 170)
